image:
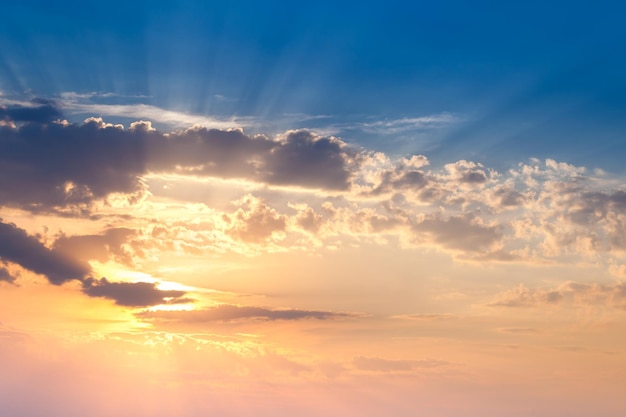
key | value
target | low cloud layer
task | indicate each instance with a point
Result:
(27, 251)
(229, 312)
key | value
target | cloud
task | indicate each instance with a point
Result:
(82, 104)
(308, 219)
(573, 293)
(27, 251)
(113, 243)
(229, 312)
(56, 165)
(386, 365)
(305, 159)
(540, 210)
(400, 179)
(519, 330)
(464, 233)
(425, 317)
(133, 294)
(18, 247)
(255, 221)
(6, 276)
(46, 165)
(397, 126)
(467, 172)
(40, 111)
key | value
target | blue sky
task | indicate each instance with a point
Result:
(511, 80)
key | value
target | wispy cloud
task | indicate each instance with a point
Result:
(175, 119)
(391, 126)
(611, 295)
(229, 312)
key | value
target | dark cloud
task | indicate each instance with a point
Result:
(58, 164)
(6, 276)
(307, 160)
(210, 152)
(590, 207)
(473, 177)
(41, 111)
(19, 247)
(509, 197)
(228, 312)
(55, 165)
(27, 251)
(400, 179)
(133, 294)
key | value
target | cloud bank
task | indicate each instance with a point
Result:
(297, 190)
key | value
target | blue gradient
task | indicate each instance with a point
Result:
(526, 79)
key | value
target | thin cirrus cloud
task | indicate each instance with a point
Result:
(87, 103)
(229, 313)
(171, 118)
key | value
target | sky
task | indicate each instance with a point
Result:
(316, 209)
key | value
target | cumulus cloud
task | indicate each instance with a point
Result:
(464, 233)
(305, 159)
(55, 164)
(254, 221)
(467, 172)
(229, 312)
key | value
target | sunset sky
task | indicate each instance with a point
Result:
(280, 209)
